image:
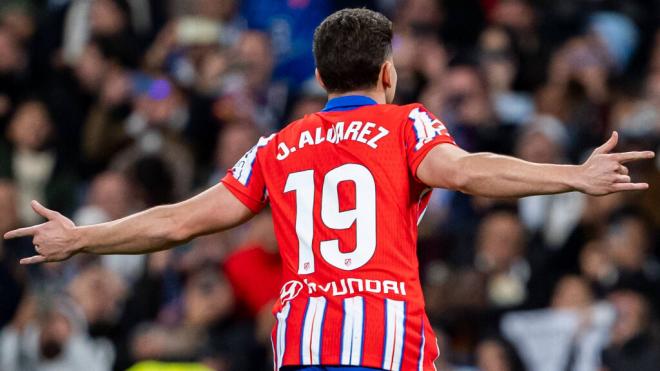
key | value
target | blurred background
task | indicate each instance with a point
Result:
(108, 107)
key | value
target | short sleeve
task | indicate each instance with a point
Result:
(246, 181)
(423, 131)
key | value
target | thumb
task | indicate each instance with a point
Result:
(42, 210)
(609, 145)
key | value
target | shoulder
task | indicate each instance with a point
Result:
(402, 109)
(405, 111)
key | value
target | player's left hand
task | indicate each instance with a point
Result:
(604, 172)
(53, 240)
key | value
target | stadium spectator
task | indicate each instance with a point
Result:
(50, 333)
(633, 345)
(111, 196)
(497, 355)
(31, 160)
(500, 256)
(569, 335)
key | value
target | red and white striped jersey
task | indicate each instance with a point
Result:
(346, 203)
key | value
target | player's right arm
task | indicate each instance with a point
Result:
(155, 229)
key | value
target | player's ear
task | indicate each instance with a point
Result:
(386, 74)
(318, 78)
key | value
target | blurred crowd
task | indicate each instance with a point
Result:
(108, 107)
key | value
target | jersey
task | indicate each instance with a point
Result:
(346, 202)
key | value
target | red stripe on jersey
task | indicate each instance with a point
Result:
(332, 333)
(293, 333)
(374, 339)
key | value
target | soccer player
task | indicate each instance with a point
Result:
(347, 187)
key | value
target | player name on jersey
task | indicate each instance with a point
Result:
(368, 133)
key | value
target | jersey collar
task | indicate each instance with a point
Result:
(347, 103)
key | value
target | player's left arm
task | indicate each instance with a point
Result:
(491, 175)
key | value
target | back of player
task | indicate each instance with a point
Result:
(345, 200)
(345, 206)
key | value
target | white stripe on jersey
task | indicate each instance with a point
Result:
(352, 331)
(421, 196)
(310, 347)
(243, 169)
(281, 334)
(274, 354)
(395, 321)
(420, 366)
(437, 349)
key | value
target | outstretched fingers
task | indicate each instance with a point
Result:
(43, 210)
(624, 157)
(609, 145)
(36, 259)
(617, 187)
(22, 232)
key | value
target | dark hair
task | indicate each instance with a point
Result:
(350, 46)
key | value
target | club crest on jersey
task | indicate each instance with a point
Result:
(426, 127)
(290, 290)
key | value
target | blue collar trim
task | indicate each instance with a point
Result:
(347, 103)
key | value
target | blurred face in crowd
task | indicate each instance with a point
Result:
(13, 55)
(255, 57)
(500, 240)
(627, 242)
(491, 356)
(535, 146)
(653, 87)
(584, 61)
(18, 22)
(516, 14)
(572, 292)
(404, 55)
(496, 58)
(632, 316)
(233, 142)
(466, 97)
(207, 297)
(106, 18)
(55, 333)
(421, 16)
(595, 263)
(9, 219)
(598, 209)
(30, 127)
(100, 293)
(159, 111)
(91, 68)
(112, 192)
(216, 9)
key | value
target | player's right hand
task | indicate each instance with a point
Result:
(604, 172)
(53, 240)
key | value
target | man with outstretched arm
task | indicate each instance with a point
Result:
(347, 187)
